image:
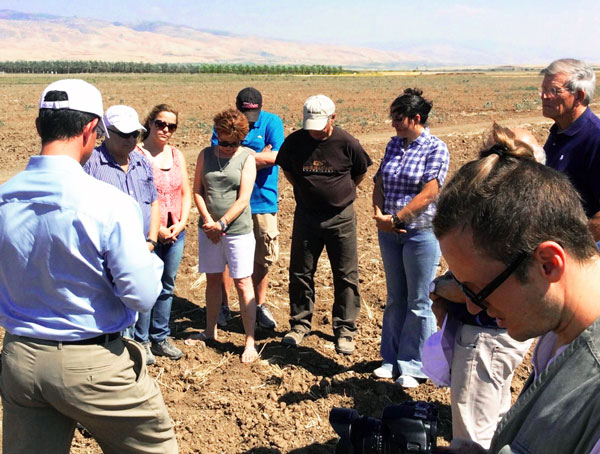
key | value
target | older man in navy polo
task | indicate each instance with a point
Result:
(573, 146)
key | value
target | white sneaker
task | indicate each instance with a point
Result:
(384, 372)
(406, 381)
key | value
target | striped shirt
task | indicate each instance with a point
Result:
(406, 169)
(138, 182)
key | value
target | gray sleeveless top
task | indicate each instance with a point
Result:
(221, 178)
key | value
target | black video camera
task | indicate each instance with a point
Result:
(410, 427)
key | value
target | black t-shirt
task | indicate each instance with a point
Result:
(323, 170)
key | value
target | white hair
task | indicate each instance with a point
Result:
(581, 76)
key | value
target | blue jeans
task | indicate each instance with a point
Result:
(154, 324)
(410, 261)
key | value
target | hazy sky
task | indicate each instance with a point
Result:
(534, 28)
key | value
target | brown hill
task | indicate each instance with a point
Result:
(43, 37)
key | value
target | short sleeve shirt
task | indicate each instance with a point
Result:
(138, 182)
(576, 152)
(406, 168)
(323, 170)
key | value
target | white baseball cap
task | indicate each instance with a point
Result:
(123, 118)
(317, 110)
(81, 96)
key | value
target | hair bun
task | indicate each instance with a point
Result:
(413, 91)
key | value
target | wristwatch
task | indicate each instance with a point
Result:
(152, 242)
(223, 225)
(397, 222)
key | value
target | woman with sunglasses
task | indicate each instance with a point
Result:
(407, 183)
(174, 196)
(223, 183)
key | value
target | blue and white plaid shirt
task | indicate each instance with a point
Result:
(405, 170)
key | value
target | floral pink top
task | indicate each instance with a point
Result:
(169, 184)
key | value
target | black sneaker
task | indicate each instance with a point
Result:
(224, 316)
(264, 318)
(166, 348)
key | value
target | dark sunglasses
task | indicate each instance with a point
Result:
(225, 144)
(161, 125)
(123, 135)
(479, 298)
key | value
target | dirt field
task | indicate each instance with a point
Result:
(281, 403)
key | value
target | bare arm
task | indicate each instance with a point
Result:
(266, 158)
(198, 189)
(383, 221)
(186, 197)
(421, 201)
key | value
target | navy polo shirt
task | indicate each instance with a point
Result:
(576, 152)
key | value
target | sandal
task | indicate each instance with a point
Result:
(194, 338)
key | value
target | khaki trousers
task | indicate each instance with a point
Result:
(47, 387)
(483, 364)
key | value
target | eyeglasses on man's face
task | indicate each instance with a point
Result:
(552, 91)
(124, 135)
(479, 298)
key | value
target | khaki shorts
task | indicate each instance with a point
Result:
(267, 239)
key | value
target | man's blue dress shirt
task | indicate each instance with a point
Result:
(73, 263)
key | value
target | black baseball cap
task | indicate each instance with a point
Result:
(249, 102)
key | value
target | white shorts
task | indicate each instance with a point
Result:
(237, 251)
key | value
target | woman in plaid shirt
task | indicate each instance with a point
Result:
(407, 183)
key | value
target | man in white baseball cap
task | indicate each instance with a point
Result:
(324, 164)
(74, 271)
(117, 162)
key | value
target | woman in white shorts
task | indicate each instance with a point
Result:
(223, 183)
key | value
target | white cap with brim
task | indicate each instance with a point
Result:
(317, 110)
(123, 118)
(81, 96)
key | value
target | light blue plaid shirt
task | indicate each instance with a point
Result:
(405, 170)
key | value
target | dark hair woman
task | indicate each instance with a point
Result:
(406, 186)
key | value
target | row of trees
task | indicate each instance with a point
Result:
(93, 66)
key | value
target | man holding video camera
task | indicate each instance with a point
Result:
(516, 239)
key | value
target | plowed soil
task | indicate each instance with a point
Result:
(281, 403)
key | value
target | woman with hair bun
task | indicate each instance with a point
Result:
(407, 183)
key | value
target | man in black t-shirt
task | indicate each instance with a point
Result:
(324, 164)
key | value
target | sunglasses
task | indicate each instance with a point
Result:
(161, 125)
(479, 298)
(225, 144)
(128, 135)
